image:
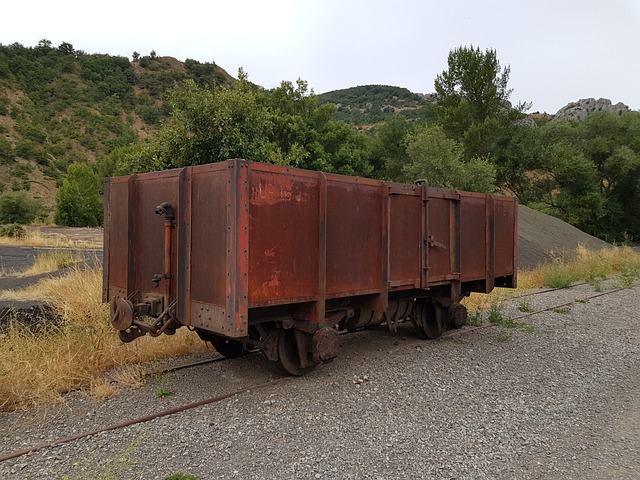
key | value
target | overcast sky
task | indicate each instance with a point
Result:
(559, 50)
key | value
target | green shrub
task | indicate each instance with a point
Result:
(79, 199)
(6, 151)
(17, 207)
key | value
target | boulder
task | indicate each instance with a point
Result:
(582, 108)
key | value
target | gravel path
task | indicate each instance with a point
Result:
(562, 401)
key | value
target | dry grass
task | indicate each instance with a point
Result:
(39, 368)
(585, 265)
(46, 262)
(36, 238)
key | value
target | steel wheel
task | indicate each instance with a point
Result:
(428, 319)
(227, 347)
(288, 354)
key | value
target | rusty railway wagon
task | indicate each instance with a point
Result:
(261, 256)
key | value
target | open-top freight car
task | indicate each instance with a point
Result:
(252, 255)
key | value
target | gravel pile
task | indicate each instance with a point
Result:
(541, 238)
(562, 401)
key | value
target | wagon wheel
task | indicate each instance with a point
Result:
(288, 354)
(226, 347)
(428, 319)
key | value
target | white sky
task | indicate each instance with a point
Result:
(559, 50)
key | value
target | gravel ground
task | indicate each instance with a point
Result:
(562, 401)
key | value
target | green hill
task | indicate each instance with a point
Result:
(370, 104)
(59, 105)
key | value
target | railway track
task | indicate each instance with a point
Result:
(219, 398)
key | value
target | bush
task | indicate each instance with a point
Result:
(17, 207)
(13, 231)
(79, 199)
(6, 151)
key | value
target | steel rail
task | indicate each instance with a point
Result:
(134, 421)
(208, 401)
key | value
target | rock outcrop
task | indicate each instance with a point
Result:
(582, 108)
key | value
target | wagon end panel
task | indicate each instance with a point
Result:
(506, 241)
(136, 236)
(488, 234)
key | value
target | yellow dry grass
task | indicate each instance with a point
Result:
(39, 368)
(583, 265)
(36, 238)
(46, 262)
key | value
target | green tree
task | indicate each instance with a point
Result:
(473, 101)
(210, 126)
(439, 159)
(389, 154)
(284, 126)
(79, 199)
(17, 207)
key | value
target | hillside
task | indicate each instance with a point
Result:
(59, 105)
(369, 104)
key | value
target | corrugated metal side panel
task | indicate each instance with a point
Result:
(404, 238)
(284, 237)
(441, 246)
(356, 236)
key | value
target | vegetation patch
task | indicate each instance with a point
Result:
(39, 367)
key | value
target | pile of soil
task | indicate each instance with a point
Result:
(37, 318)
(541, 238)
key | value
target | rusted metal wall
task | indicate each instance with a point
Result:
(249, 236)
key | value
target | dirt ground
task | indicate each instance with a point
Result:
(87, 242)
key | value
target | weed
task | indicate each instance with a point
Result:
(496, 316)
(582, 300)
(182, 476)
(163, 390)
(562, 310)
(558, 275)
(628, 276)
(503, 337)
(527, 328)
(525, 307)
(475, 319)
(13, 230)
(51, 261)
(112, 469)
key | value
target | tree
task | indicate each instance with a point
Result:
(79, 199)
(439, 159)
(284, 126)
(389, 149)
(135, 56)
(588, 173)
(473, 100)
(66, 48)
